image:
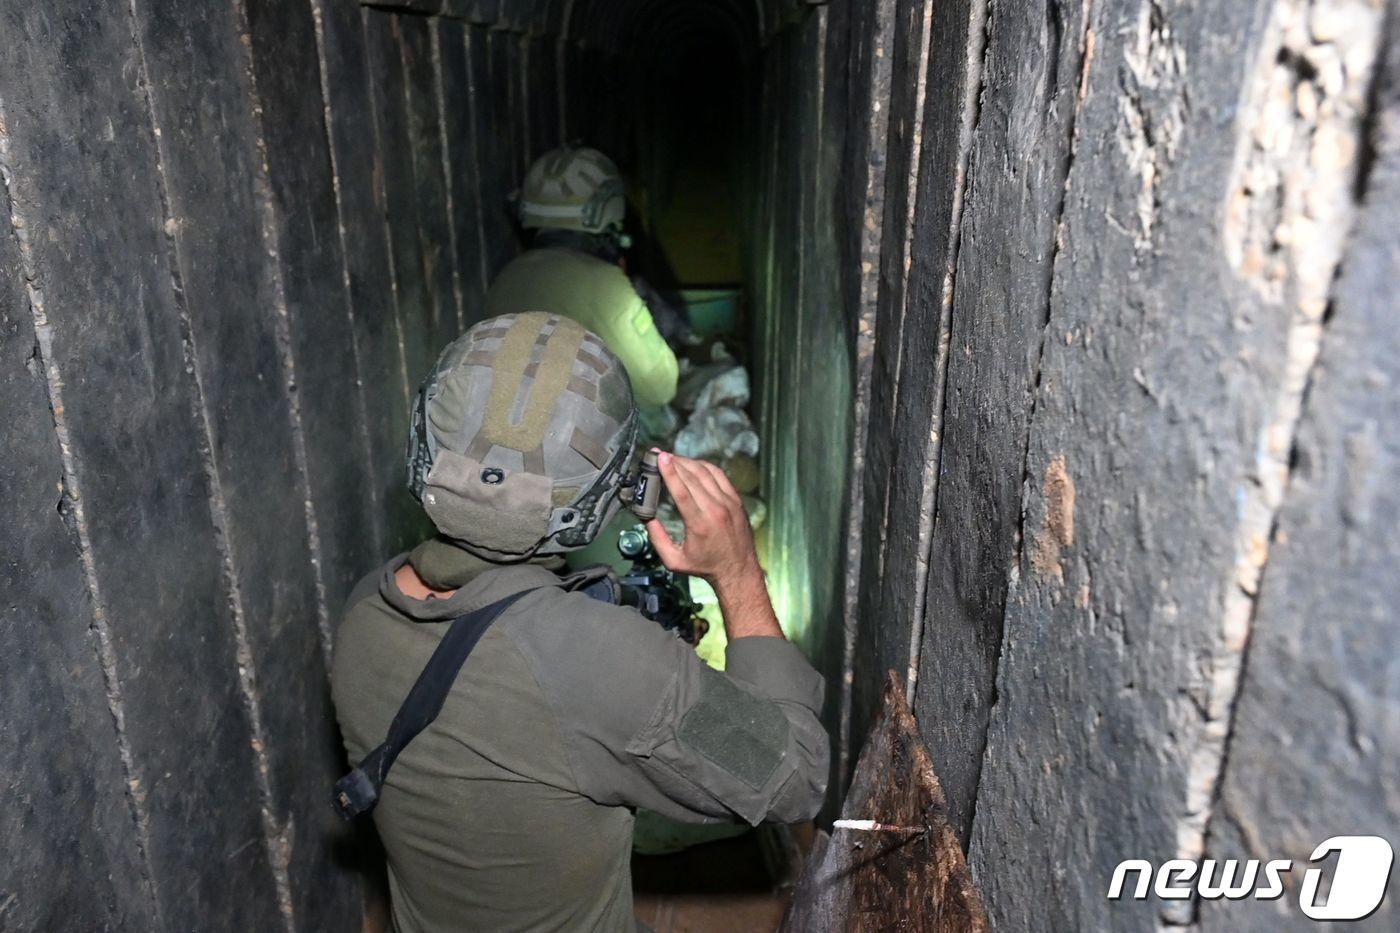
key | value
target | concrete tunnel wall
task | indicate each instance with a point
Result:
(1074, 372)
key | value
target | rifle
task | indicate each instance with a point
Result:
(661, 595)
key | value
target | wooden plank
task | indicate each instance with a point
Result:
(416, 41)
(1015, 193)
(218, 200)
(890, 880)
(1315, 743)
(803, 332)
(926, 159)
(1163, 398)
(66, 806)
(516, 47)
(312, 269)
(868, 41)
(400, 192)
(503, 56)
(492, 119)
(900, 148)
(81, 169)
(379, 346)
(825, 402)
(858, 46)
(464, 171)
(885, 644)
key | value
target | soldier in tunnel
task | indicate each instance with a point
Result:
(512, 809)
(572, 205)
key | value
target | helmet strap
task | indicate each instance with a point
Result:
(604, 246)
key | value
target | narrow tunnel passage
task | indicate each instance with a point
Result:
(719, 114)
(723, 139)
(1070, 334)
(723, 143)
(289, 210)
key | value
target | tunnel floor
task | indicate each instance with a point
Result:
(690, 247)
(744, 883)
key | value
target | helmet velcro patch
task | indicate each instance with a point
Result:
(505, 511)
(521, 435)
(507, 380)
(589, 448)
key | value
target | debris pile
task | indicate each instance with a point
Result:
(709, 420)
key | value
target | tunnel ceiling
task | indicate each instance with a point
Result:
(620, 25)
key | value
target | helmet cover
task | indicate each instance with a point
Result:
(574, 189)
(521, 436)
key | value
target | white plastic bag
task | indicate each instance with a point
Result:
(717, 433)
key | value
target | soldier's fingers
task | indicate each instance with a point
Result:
(679, 489)
(703, 500)
(667, 549)
(722, 481)
(700, 481)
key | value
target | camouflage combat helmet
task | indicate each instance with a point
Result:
(521, 435)
(574, 189)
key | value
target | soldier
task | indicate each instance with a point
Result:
(573, 204)
(513, 810)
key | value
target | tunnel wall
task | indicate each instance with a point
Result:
(1129, 450)
(235, 237)
(1100, 301)
(802, 333)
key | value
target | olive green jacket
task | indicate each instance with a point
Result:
(514, 810)
(599, 296)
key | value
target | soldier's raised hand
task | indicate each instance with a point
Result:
(718, 543)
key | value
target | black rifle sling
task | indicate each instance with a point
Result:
(358, 791)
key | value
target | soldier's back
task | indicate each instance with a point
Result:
(598, 295)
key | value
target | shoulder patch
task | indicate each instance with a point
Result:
(741, 733)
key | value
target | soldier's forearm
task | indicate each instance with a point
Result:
(743, 598)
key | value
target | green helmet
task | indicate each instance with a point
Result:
(574, 189)
(521, 437)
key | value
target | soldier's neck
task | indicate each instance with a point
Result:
(596, 245)
(414, 587)
(439, 568)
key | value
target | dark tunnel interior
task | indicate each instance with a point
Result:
(686, 104)
(720, 120)
(342, 173)
(721, 137)
(1069, 335)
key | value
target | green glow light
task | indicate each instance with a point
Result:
(784, 558)
(791, 604)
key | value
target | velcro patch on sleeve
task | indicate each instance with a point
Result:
(741, 733)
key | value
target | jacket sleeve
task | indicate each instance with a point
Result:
(647, 724)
